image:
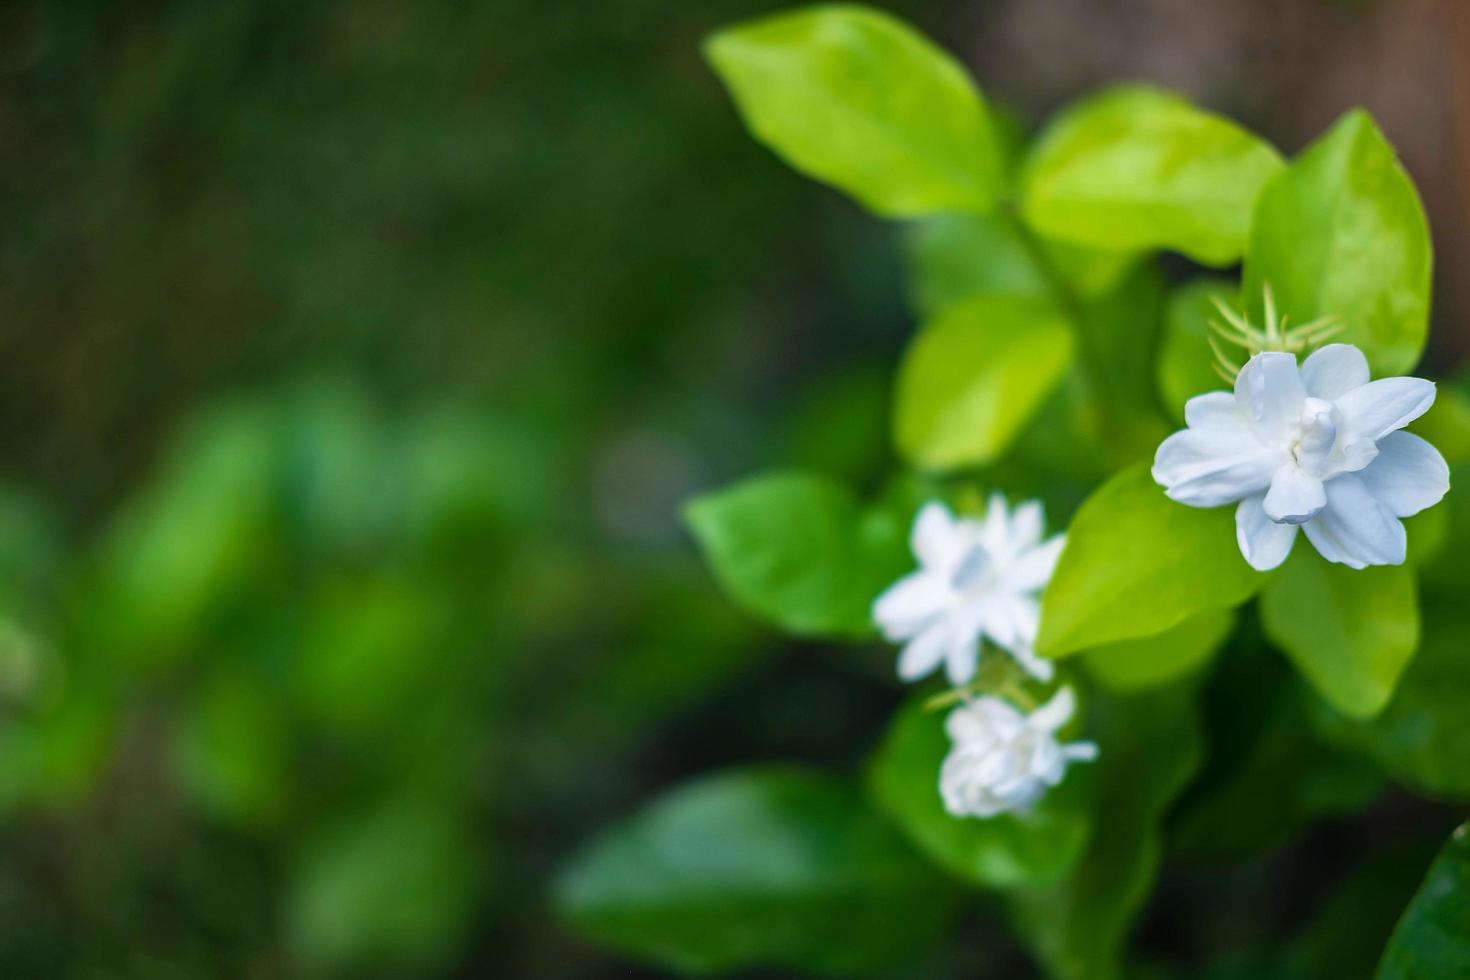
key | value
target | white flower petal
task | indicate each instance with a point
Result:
(1334, 370)
(909, 604)
(1270, 394)
(984, 720)
(962, 658)
(1294, 496)
(935, 538)
(1028, 521)
(1408, 474)
(1079, 751)
(1377, 408)
(1210, 467)
(1038, 667)
(1354, 529)
(923, 653)
(1025, 613)
(997, 531)
(1264, 543)
(1056, 712)
(1214, 409)
(1033, 569)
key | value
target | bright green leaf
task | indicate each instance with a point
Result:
(1432, 940)
(1138, 563)
(1003, 851)
(1350, 632)
(1185, 357)
(973, 377)
(1132, 665)
(757, 867)
(1341, 233)
(857, 99)
(1136, 169)
(798, 551)
(1148, 748)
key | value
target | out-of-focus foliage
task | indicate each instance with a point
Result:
(358, 358)
(778, 867)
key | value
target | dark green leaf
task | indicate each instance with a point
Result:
(757, 867)
(1003, 851)
(1421, 739)
(798, 551)
(1432, 940)
(1149, 747)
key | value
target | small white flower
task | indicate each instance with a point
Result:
(1317, 449)
(1003, 760)
(976, 579)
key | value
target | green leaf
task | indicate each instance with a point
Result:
(954, 257)
(757, 867)
(390, 887)
(233, 750)
(1137, 168)
(190, 544)
(1432, 940)
(1138, 563)
(1148, 748)
(1421, 738)
(1443, 567)
(1284, 779)
(1133, 665)
(798, 551)
(999, 852)
(1350, 632)
(1185, 357)
(857, 99)
(973, 377)
(1118, 336)
(1351, 930)
(1341, 233)
(1447, 424)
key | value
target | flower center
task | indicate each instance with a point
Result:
(1313, 436)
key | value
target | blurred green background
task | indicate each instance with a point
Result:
(354, 360)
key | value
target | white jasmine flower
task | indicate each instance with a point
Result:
(1317, 449)
(1003, 760)
(976, 579)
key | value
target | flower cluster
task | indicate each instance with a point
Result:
(980, 580)
(1003, 760)
(1317, 448)
(976, 580)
